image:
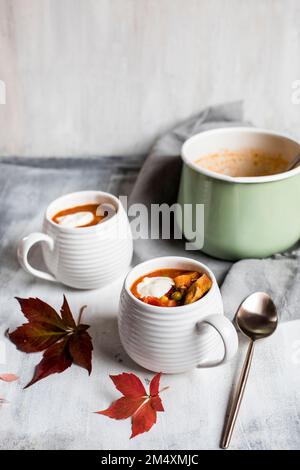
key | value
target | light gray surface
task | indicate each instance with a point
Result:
(103, 77)
(57, 413)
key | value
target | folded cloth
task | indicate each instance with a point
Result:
(158, 182)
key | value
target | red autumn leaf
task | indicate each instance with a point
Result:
(63, 341)
(142, 407)
(7, 378)
(56, 359)
(129, 385)
(66, 314)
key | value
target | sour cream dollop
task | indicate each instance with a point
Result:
(75, 220)
(154, 286)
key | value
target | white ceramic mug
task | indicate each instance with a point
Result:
(86, 257)
(175, 339)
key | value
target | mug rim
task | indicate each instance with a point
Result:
(238, 179)
(179, 308)
(90, 228)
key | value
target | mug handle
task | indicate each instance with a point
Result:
(228, 334)
(23, 248)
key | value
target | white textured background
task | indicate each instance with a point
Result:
(94, 77)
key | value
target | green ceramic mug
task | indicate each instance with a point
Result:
(244, 217)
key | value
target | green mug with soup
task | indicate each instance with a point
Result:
(251, 202)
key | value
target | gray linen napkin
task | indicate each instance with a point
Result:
(158, 182)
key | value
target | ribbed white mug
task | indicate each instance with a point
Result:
(86, 257)
(175, 339)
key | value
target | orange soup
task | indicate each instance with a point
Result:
(79, 216)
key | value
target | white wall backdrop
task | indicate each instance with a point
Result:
(96, 77)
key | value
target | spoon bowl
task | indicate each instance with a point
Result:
(257, 316)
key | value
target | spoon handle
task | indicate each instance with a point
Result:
(238, 396)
